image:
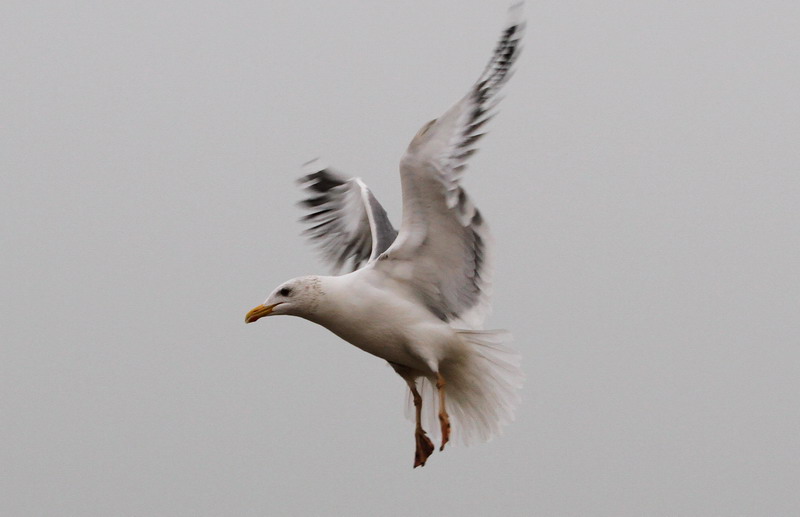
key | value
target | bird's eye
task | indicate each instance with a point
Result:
(286, 291)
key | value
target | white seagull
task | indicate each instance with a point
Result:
(417, 298)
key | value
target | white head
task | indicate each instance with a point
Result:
(296, 297)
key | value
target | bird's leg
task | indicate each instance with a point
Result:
(444, 418)
(424, 444)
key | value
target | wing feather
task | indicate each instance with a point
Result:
(346, 220)
(443, 250)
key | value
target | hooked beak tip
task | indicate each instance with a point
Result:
(259, 312)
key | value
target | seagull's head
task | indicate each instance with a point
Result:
(295, 297)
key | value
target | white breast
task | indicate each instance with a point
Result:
(383, 321)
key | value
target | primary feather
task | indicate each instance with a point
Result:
(346, 219)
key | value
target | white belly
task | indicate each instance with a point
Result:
(386, 325)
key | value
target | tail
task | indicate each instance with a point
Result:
(482, 388)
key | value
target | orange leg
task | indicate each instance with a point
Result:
(424, 444)
(444, 419)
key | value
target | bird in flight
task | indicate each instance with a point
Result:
(418, 297)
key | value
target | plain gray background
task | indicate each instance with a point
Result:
(641, 182)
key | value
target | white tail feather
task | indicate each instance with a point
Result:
(482, 389)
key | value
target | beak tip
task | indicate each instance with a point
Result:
(259, 312)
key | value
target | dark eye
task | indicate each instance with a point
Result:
(286, 291)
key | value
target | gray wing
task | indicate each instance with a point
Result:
(346, 221)
(443, 251)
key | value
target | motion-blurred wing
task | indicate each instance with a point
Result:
(347, 222)
(442, 251)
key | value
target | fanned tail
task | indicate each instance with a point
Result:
(482, 388)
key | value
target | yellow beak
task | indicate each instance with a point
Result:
(259, 312)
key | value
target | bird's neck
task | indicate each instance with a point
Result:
(330, 301)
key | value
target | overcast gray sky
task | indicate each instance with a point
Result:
(641, 181)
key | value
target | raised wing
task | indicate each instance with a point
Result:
(347, 222)
(442, 251)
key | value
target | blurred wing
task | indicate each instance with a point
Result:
(347, 222)
(442, 251)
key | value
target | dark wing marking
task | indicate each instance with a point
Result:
(346, 220)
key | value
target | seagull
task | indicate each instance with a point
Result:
(417, 297)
